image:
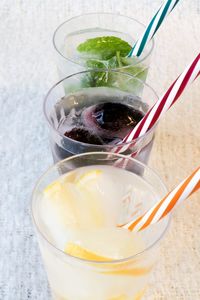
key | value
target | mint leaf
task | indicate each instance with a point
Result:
(140, 71)
(110, 52)
(101, 78)
(96, 78)
(96, 64)
(104, 47)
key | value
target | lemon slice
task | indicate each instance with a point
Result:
(80, 252)
(88, 176)
(90, 201)
(59, 202)
(74, 202)
(52, 188)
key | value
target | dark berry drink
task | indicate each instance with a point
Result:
(106, 123)
(96, 120)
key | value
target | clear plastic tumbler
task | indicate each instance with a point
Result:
(73, 278)
(76, 30)
(72, 104)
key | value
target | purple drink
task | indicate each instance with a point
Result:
(94, 120)
(92, 111)
(101, 124)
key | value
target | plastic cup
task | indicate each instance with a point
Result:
(78, 29)
(128, 278)
(123, 88)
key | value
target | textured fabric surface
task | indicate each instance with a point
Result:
(27, 71)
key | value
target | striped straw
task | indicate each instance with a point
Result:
(186, 188)
(163, 104)
(152, 27)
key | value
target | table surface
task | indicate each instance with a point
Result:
(27, 72)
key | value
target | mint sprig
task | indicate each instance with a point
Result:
(104, 47)
(109, 52)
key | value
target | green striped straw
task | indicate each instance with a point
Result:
(153, 26)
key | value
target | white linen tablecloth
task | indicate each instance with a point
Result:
(27, 71)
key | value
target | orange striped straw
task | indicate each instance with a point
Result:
(166, 205)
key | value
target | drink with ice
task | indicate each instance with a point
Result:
(99, 116)
(100, 40)
(86, 254)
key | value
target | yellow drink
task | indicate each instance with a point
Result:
(87, 256)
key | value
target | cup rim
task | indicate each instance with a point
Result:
(94, 145)
(77, 259)
(99, 13)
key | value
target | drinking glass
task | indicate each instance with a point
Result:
(76, 278)
(79, 91)
(78, 29)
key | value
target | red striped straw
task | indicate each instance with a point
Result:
(163, 103)
(166, 205)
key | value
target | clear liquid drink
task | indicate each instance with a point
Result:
(77, 217)
(119, 31)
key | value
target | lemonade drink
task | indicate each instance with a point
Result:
(77, 215)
